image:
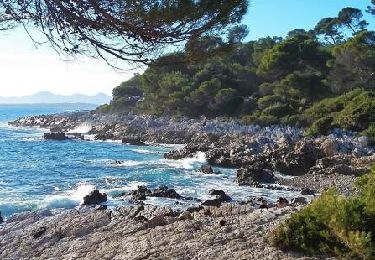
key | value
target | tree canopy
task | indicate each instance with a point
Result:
(122, 29)
(297, 80)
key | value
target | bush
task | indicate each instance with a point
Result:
(320, 126)
(354, 111)
(370, 133)
(333, 224)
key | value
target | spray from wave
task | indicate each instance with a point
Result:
(82, 128)
(69, 199)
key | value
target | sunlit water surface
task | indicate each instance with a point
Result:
(36, 174)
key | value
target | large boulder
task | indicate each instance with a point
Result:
(300, 160)
(55, 136)
(165, 192)
(213, 203)
(95, 197)
(221, 195)
(206, 169)
(330, 147)
(140, 193)
(254, 174)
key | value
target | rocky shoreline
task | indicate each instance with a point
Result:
(268, 157)
(261, 154)
(145, 232)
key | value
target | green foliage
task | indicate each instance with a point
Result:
(354, 110)
(354, 63)
(370, 133)
(330, 29)
(333, 224)
(371, 8)
(352, 19)
(299, 80)
(292, 54)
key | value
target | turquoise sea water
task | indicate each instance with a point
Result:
(35, 173)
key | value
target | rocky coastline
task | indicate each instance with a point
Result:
(273, 157)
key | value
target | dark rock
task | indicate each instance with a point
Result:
(101, 207)
(75, 136)
(38, 232)
(194, 209)
(132, 140)
(254, 174)
(222, 222)
(308, 191)
(298, 162)
(155, 221)
(220, 195)
(141, 218)
(282, 202)
(140, 194)
(1, 218)
(164, 192)
(186, 215)
(55, 136)
(299, 200)
(206, 169)
(104, 136)
(95, 197)
(215, 202)
(216, 192)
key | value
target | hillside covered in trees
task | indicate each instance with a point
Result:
(320, 79)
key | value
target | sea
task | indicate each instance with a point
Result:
(43, 174)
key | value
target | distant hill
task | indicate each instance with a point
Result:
(50, 98)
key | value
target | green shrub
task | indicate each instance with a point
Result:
(354, 111)
(333, 224)
(320, 126)
(370, 133)
(358, 113)
(278, 110)
(104, 108)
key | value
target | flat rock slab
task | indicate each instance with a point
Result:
(227, 232)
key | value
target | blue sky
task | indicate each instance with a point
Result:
(25, 70)
(278, 17)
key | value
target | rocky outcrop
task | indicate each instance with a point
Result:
(1, 218)
(55, 136)
(254, 175)
(221, 195)
(165, 192)
(298, 161)
(133, 140)
(206, 169)
(147, 232)
(95, 197)
(140, 194)
(220, 198)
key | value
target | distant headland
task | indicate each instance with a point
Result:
(51, 98)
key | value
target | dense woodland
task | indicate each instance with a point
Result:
(320, 79)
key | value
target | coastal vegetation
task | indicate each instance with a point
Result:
(319, 79)
(334, 224)
(314, 80)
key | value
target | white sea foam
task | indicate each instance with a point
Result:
(68, 199)
(82, 128)
(89, 137)
(143, 151)
(187, 163)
